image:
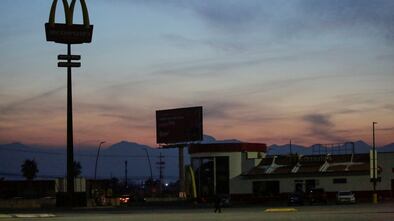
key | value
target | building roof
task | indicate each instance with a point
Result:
(297, 165)
(227, 147)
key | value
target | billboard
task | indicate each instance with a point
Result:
(179, 125)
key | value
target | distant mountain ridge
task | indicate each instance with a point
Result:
(111, 163)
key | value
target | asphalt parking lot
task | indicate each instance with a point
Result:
(357, 212)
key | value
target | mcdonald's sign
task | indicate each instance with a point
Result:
(69, 33)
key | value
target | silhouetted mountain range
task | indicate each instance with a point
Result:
(52, 162)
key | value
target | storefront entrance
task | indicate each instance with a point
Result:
(211, 176)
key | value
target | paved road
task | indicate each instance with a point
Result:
(359, 212)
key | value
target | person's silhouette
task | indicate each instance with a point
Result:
(218, 204)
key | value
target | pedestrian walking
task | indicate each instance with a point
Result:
(218, 204)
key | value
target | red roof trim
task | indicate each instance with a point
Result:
(227, 147)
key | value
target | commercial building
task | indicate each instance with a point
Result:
(244, 171)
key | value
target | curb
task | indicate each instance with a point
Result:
(273, 210)
(3, 216)
(42, 215)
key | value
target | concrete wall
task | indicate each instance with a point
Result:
(241, 185)
(287, 185)
(239, 163)
(386, 162)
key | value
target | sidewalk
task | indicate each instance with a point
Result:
(27, 215)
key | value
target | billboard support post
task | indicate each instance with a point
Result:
(181, 172)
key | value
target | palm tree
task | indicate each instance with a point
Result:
(29, 169)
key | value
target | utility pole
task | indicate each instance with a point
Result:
(161, 166)
(125, 173)
(291, 152)
(150, 165)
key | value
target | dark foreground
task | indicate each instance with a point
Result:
(358, 212)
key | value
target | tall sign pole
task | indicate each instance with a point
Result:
(69, 33)
(70, 139)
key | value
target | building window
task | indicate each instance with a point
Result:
(339, 180)
(266, 188)
(222, 175)
(204, 175)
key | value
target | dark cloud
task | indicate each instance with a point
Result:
(321, 126)
(238, 113)
(212, 67)
(350, 12)
(217, 44)
(122, 117)
(357, 18)
(225, 14)
(21, 103)
(386, 129)
(220, 110)
(269, 86)
(385, 57)
(286, 19)
(319, 120)
(389, 107)
(221, 14)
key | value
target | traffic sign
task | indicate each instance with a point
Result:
(69, 64)
(68, 57)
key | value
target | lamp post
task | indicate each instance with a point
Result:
(97, 156)
(150, 165)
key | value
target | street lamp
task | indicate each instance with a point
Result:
(150, 165)
(97, 156)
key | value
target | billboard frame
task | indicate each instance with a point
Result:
(182, 125)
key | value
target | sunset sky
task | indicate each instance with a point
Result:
(314, 71)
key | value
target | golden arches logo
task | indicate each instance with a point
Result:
(69, 12)
(69, 33)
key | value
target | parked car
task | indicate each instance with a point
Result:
(296, 198)
(346, 197)
(124, 199)
(317, 195)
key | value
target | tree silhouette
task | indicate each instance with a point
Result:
(29, 169)
(77, 168)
